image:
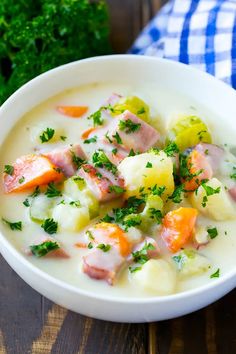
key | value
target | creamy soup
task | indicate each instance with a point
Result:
(155, 216)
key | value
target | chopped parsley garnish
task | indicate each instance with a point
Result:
(200, 134)
(15, 226)
(155, 214)
(97, 117)
(206, 152)
(171, 149)
(35, 193)
(233, 175)
(44, 248)
(77, 161)
(107, 218)
(100, 159)
(116, 189)
(134, 202)
(209, 191)
(75, 203)
(155, 190)
(141, 256)
(176, 196)
(155, 150)
(149, 165)
(103, 247)
(129, 126)
(47, 135)
(26, 203)
(8, 169)
(134, 269)
(117, 137)
(63, 138)
(131, 153)
(90, 235)
(114, 151)
(108, 138)
(90, 245)
(212, 232)
(132, 221)
(52, 191)
(91, 140)
(21, 180)
(50, 226)
(184, 166)
(141, 110)
(216, 274)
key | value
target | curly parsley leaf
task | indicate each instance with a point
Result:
(15, 226)
(50, 226)
(91, 140)
(216, 274)
(47, 135)
(44, 248)
(171, 149)
(141, 256)
(212, 232)
(8, 169)
(100, 159)
(128, 126)
(52, 191)
(103, 247)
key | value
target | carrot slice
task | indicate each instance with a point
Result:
(200, 168)
(72, 111)
(177, 227)
(30, 171)
(87, 132)
(113, 235)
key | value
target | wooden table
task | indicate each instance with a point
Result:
(29, 323)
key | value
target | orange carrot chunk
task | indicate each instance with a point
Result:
(87, 132)
(199, 168)
(73, 111)
(30, 171)
(178, 227)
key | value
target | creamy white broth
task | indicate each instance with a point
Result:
(165, 106)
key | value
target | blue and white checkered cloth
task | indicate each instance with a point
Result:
(201, 33)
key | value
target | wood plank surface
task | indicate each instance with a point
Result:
(29, 323)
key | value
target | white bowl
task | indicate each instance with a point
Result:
(136, 69)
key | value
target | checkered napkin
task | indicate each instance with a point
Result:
(201, 33)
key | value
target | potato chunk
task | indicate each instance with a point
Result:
(70, 217)
(147, 170)
(156, 276)
(218, 205)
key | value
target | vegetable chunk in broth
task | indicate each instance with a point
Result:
(120, 190)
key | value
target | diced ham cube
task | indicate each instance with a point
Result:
(232, 193)
(100, 181)
(103, 265)
(100, 264)
(213, 153)
(63, 157)
(141, 139)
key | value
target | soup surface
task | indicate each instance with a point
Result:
(142, 204)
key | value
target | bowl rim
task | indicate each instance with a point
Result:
(4, 242)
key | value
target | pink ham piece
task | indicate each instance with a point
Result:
(140, 140)
(100, 264)
(150, 253)
(113, 99)
(62, 157)
(213, 153)
(232, 193)
(100, 182)
(103, 265)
